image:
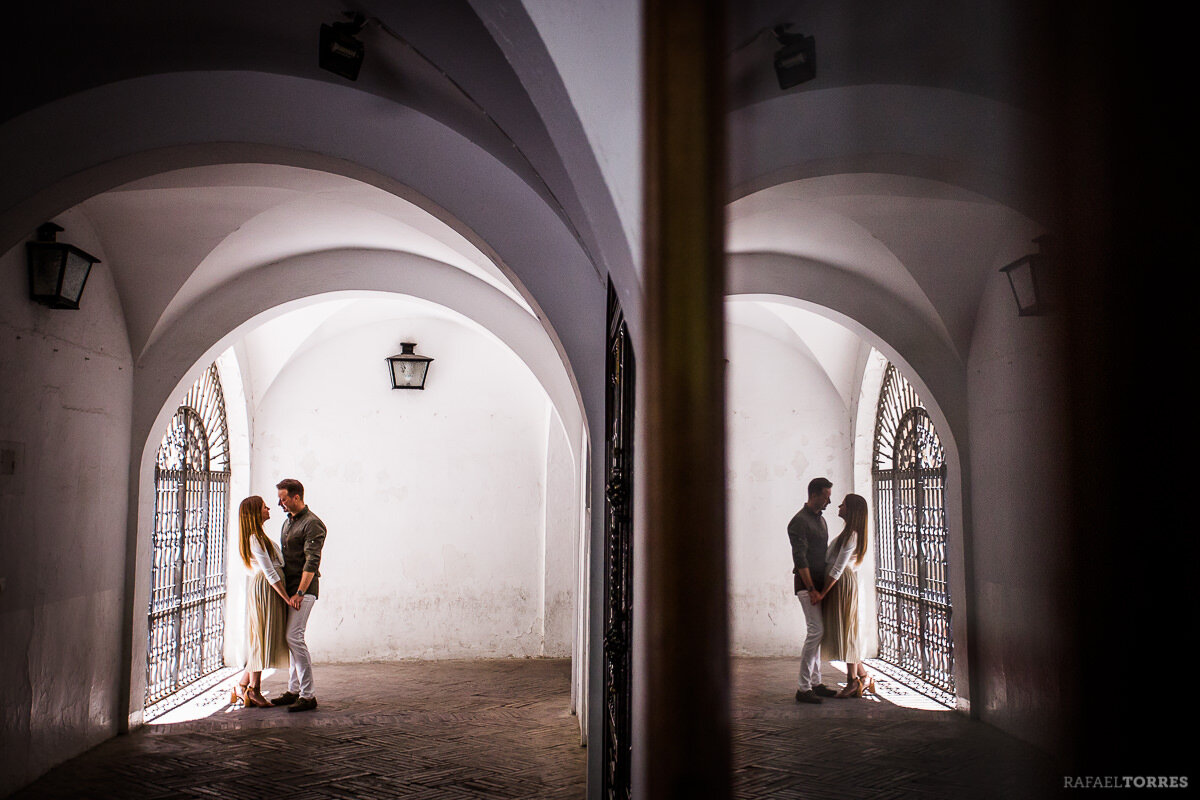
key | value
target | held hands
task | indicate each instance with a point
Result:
(294, 601)
(814, 596)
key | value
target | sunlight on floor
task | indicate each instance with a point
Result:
(207, 703)
(215, 699)
(891, 690)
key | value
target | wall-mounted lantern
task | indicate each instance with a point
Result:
(1028, 278)
(796, 59)
(407, 369)
(57, 271)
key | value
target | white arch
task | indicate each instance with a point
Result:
(861, 305)
(214, 321)
(163, 122)
(916, 297)
(982, 145)
(914, 346)
(211, 322)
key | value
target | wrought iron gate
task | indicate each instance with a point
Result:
(191, 505)
(912, 591)
(618, 555)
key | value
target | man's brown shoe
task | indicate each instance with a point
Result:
(285, 699)
(303, 704)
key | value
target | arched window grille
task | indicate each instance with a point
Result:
(191, 507)
(912, 590)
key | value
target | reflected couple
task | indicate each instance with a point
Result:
(826, 585)
(839, 598)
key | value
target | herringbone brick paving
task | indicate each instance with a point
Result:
(853, 749)
(452, 730)
(421, 730)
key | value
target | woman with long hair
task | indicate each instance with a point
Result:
(840, 597)
(266, 603)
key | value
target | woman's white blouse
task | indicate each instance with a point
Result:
(265, 561)
(836, 560)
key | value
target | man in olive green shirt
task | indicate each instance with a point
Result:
(301, 541)
(809, 536)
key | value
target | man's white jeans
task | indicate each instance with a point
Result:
(300, 677)
(810, 655)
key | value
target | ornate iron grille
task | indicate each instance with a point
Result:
(912, 591)
(186, 636)
(618, 555)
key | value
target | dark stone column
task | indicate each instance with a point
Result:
(684, 716)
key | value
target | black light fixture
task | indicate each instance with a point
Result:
(57, 271)
(1028, 278)
(340, 51)
(407, 369)
(796, 59)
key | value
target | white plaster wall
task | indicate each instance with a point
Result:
(434, 499)
(65, 405)
(237, 418)
(1017, 391)
(560, 537)
(786, 424)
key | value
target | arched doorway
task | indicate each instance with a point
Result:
(458, 304)
(186, 614)
(911, 575)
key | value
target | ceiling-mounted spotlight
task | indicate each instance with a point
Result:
(341, 53)
(796, 59)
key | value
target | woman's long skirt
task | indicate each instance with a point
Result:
(840, 610)
(266, 626)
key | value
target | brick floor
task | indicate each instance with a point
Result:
(445, 729)
(501, 729)
(868, 748)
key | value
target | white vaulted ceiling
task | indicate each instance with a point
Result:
(929, 245)
(198, 228)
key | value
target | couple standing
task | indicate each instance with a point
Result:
(827, 588)
(278, 605)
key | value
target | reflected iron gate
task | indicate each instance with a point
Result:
(186, 631)
(618, 557)
(912, 590)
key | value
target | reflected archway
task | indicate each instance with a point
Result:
(908, 475)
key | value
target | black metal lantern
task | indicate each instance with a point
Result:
(57, 271)
(407, 369)
(796, 59)
(1027, 277)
